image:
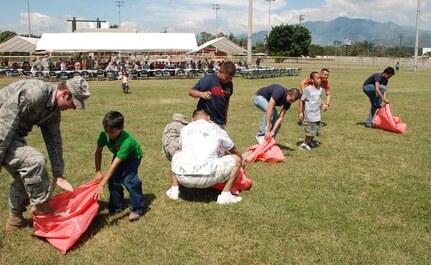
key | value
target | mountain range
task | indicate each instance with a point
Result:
(356, 30)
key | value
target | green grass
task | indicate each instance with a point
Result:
(362, 197)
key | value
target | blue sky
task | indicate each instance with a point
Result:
(198, 15)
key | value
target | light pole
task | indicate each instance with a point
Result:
(418, 14)
(216, 7)
(301, 18)
(269, 16)
(119, 4)
(28, 14)
(250, 33)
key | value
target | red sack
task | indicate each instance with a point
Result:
(73, 213)
(384, 120)
(241, 183)
(266, 151)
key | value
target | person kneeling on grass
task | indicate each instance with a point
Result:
(124, 167)
(197, 164)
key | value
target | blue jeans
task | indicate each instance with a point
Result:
(126, 174)
(262, 104)
(375, 100)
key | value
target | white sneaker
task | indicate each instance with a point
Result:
(304, 147)
(228, 198)
(173, 193)
(260, 139)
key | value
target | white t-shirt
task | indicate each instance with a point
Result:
(200, 143)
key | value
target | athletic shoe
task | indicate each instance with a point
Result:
(304, 147)
(17, 221)
(227, 198)
(260, 139)
(134, 217)
(312, 145)
(367, 125)
(173, 193)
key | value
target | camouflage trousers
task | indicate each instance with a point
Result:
(31, 184)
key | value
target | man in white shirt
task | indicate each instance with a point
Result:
(198, 165)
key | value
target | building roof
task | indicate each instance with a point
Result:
(222, 44)
(115, 41)
(19, 44)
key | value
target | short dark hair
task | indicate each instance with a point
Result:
(324, 70)
(228, 67)
(197, 112)
(294, 92)
(312, 74)
(389, 70)
(114, 120)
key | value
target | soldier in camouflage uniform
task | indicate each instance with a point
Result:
(171, 135)
(24, 104)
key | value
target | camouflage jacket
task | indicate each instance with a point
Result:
(24, 104)
(171, 136)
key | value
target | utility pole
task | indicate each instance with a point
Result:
(418, 14)
(301, 18)
(119, 4)
(269, 16)
(250, 32)
(216, 7)
(400, 36)
(28, 13)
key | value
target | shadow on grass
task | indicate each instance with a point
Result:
(199, 195)
(105, 219)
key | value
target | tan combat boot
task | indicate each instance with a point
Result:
(42, 209)
(16, 221)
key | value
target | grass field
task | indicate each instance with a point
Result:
(361, 197)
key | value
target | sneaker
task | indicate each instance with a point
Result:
(42, 209)
(260, 139)
(228, 198)
(17, 221)
(367, 125)
(312, 145)
(304, 147)
(134, 217)
(173, 193)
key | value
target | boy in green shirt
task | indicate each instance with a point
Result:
(124, 167)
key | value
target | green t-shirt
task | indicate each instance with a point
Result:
(125, 147)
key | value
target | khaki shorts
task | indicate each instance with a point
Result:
(225, 165)
(312, 128)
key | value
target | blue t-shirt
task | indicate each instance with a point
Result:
(277, 93)
(377, 77)
(216, 107)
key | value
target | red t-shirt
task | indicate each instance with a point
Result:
(323, 84)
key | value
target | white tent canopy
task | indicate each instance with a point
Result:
(222, 44)
(19, 44)
(102, 41)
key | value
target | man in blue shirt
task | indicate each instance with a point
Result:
(214, 92)
(375, 88)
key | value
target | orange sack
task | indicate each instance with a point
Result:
(384, 120)
(266, 151)
(241, 183)
(74, 212)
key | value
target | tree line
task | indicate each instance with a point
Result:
(293, 41)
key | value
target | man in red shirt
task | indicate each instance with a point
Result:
(324, 83)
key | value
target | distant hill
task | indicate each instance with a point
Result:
(325, 33)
